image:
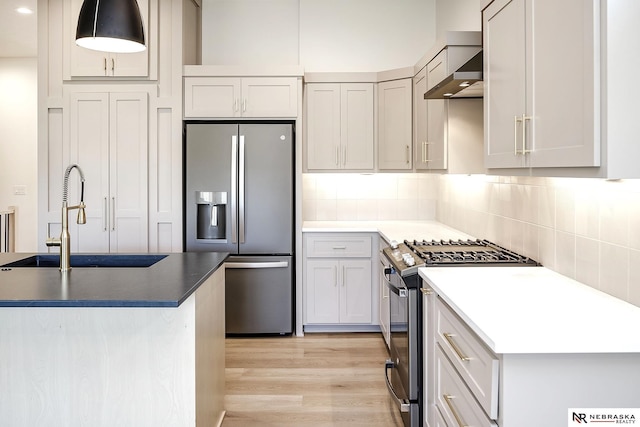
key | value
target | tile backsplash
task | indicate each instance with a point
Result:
(368, 197)
(586, 229)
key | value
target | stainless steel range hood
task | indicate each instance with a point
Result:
(465, 82)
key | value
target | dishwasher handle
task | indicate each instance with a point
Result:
(251, 265)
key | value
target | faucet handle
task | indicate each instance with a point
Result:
(53, 241)
(82, 216)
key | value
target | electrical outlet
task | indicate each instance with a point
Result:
(20, 190)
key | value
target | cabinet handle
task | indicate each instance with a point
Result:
(516, 119)
(104, 65)
(426, 151)
(113, 214)
(426, 291)
(338, 247)
(244, 105)
(235, 105)
(448, 398)
(113, 65)
(343, 276)
(344, 158)
(337, 155)
(454, 346)
(524, 134)
(106, 214)
(408, 154)
(335, 275)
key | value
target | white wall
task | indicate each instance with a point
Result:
(320, 35)
(364, 35)
(458, 15)
(18, 145)
(249, 32)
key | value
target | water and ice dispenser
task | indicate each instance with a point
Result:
(212, 213)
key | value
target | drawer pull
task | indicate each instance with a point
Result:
(454, 346)
(448, 398)
(339, 247)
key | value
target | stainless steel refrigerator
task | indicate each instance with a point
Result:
(238, 198)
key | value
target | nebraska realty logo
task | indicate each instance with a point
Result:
(579, 416)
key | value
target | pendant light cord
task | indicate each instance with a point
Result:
(95, 18)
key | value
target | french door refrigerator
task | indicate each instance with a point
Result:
(238, 198)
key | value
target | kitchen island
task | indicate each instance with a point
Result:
(134, 346)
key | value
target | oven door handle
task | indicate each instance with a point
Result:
(401, 292)
(402, 404)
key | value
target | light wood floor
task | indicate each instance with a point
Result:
(315, 380)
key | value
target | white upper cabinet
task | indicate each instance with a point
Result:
(82, 62)
(541, 83)
(227, 97)
(421, 160)
(448, 134)
(339, 126)
(395, 109)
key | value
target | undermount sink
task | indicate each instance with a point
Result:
(78, 261)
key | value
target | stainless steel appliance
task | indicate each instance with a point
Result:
(404, 369)
(238, 198)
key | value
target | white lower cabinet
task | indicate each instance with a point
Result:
(108, 139)
(454, 400)
(338, 280)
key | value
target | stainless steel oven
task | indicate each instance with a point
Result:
(404, 369)
(403, 372)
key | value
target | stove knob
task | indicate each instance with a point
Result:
(393, 244)
(410, 262)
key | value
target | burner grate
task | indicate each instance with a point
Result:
(467, 252)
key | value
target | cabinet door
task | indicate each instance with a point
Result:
(394, 124)
(321, 291)
(269, 97)
(108, 140)
(90, 63)
(563, 116)
(89, 148)
(420, 120)
(211, 97)
(436, 146)
(355, 291)
(504, 27)
(323, 125)
(356, 123)
(128, 142)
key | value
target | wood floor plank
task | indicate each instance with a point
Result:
(315, 380)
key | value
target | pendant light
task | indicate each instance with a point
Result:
(110, 26)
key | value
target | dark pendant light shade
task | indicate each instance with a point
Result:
(110, 26)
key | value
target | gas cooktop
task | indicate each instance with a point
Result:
(408, 256)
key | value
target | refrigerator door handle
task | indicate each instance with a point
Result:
(274, 264)
(241, 191)
(234, 188)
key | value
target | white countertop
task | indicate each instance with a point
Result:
(389, 230)
(535, 310)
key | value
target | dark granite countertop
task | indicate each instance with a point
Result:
(166, 283)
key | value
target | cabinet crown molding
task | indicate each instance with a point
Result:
(242, 71)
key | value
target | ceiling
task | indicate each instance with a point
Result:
(18, 32)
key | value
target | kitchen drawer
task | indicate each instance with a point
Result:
(477, 365)
(440, 422)
(454, 400)
(339, 246)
